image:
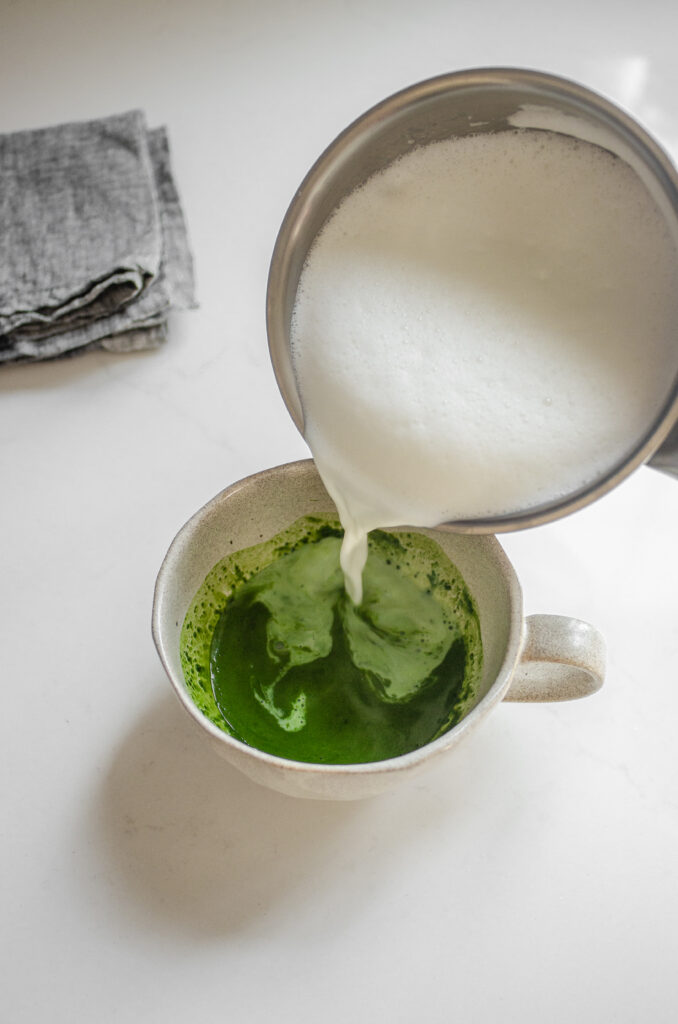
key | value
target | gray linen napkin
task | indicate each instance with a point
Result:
(93, 245)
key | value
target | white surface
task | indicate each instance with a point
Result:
(535, 877)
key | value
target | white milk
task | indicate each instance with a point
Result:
(487, 325)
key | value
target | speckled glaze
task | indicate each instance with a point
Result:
(539, 658)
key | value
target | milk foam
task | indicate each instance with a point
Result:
(487, 325)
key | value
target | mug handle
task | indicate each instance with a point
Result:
(561, 659)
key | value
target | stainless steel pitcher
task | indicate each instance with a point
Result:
(464, 102)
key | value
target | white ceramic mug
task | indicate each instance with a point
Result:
(542, 657)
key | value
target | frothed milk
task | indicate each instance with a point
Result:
(486, 325)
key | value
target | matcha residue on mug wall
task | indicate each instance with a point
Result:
(275, 653)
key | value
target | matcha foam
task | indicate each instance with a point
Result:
(275, 653)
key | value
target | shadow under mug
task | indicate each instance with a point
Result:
(538, 658)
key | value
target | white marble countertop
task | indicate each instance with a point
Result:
(532, 878)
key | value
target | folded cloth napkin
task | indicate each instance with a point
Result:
(93, 245)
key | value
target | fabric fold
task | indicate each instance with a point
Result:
(93, 244)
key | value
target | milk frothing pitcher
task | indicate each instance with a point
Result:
(454, 105)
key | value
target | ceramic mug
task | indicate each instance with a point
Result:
(542, 657)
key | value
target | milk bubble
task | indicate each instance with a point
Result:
(485, 326)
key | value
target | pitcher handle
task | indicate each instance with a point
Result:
(665, 458)
(561, 659)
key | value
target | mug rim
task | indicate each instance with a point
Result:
(180, 546)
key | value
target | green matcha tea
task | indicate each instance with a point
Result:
(276, 654)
